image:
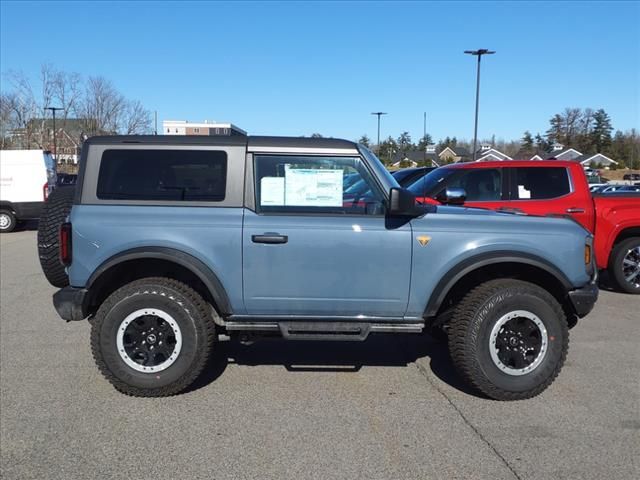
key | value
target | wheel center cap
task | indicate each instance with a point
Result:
(513, 341)
(151, 339)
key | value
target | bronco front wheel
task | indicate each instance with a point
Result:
(152, 337)
(509, 339)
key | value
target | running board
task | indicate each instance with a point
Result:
(325, 330)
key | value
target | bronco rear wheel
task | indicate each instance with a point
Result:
(509, 339)
(152, 337)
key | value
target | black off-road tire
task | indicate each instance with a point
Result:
(616, 265)
(54, 213)
(9, 221)
(188, 309)
(470, 333)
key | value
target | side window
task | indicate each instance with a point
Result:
(314, 184)
(480, 184)
(540, 183)
(170, 175)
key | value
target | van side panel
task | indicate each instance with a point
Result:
(23, 174)
(212, 235)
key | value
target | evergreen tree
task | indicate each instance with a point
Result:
(541, 143)
(601, 133)
(527, 141)
(364, 140)
(404, 143)
(424, 141)
(556, 129)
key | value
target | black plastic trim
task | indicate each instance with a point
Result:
(70, 303)
(490, 258)
(191, 263)
(24, 210)
(583, 299)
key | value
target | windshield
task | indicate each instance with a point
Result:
(430, 184)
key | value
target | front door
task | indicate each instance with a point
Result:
(311, 248)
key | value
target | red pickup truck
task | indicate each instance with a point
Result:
(548, 187)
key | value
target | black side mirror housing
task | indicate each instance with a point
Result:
(402, 203)
(452, 196)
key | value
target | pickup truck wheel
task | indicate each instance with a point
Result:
(624, 267)
(7, 221)
(152, 337)
(509, 339)
(54, 213)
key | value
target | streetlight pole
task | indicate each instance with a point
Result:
(478, 53)
(55, 144)
(379, 114)
(424, 137)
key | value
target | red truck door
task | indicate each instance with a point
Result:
(550, 190)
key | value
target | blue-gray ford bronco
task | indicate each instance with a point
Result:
(167, 242)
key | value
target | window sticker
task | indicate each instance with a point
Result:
(271, 191)
(310, 187)
(523, 193)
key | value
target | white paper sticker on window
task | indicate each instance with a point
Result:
(523, 193)
(313, 187)
(271, 191)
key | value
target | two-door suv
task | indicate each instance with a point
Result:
(171, 240)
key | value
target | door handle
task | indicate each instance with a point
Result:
(575, 210)
(270, 238)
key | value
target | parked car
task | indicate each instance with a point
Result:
(629, 188)
(26, 177)
(164, 252)
(407, 176)
(631, 176)
(611, 188)
(598, 187)
(549, 187)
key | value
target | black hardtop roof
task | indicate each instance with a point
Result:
(232, 140)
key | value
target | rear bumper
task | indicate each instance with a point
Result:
(70, 303)
(583, 299)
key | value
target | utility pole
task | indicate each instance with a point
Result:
(155, 120)
(424, 137)
(379, 114)
(55, 144)
(478, 53)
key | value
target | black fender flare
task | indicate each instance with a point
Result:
(191, 263)
(470, 264)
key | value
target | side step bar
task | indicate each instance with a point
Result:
(314, 330)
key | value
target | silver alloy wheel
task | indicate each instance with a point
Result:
(518, 342)
(631, 267)
(144, 331)
(5, 221)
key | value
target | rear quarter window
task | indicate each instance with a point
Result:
(163, 175)
(540, 183)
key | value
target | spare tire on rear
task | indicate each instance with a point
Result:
(54, 213)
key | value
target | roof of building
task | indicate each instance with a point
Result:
(560, 153)
(588, 157)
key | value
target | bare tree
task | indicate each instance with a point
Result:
(136, 119)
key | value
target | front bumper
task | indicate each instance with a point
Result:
(583, 299)
(70, 303)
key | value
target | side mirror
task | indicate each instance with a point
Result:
(402, 203)
(452, 196)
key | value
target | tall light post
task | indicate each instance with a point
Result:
(55, 144)
(379, 114)
(477, 53)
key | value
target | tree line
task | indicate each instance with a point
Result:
(587, 130)
(93, 101)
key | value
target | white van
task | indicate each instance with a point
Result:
(26, 177)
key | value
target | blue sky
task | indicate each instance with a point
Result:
(297, 68)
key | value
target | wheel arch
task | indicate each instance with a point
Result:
(492, 265)
(137, 263)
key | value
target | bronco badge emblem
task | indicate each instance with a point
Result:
(423, 239)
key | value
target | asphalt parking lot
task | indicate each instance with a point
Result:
(388, 408)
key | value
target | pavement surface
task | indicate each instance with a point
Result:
(388, 408)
